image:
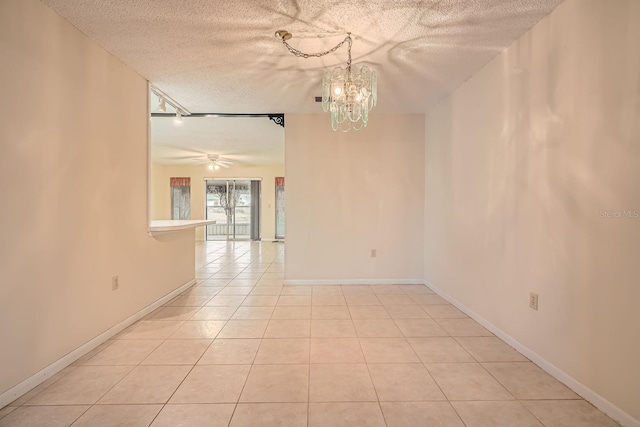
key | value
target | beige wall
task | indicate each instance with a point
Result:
(161, 192)
(348, 193)
(73, 138)
(521, 163)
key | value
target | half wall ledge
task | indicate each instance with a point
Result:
(162, 226)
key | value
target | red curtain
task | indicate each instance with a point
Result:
(180, 182)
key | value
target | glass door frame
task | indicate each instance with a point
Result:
(229, 225)
(279, 209)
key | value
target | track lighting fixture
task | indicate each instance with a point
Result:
(164, 99)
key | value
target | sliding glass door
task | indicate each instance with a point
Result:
(279, 208)
(231, 204)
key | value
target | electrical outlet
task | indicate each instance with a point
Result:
(374, 253)
(115, 283)
(533, 300)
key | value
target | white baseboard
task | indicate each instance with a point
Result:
(598, 401)
(309, 282)
(49, 371)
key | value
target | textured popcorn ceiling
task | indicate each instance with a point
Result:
(222, 56)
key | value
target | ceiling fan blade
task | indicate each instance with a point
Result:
(222, 164)
(186, 157)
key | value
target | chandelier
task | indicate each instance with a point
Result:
(347, 93)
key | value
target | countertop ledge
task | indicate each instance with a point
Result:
(164, 226)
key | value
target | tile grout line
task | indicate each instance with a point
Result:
(181, 382)
(190, 370)
(248, 374)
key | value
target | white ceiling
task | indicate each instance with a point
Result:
(222, 56)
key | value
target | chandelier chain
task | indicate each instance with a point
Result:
(301, 54)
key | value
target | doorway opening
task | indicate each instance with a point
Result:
(235, 206)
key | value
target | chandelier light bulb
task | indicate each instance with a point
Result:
(210, 167)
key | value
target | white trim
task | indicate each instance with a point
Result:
(598, 401)
(310, 282)
(49, 371)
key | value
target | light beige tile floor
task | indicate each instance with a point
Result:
(240, 349)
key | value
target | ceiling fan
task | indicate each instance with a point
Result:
(215, 162)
